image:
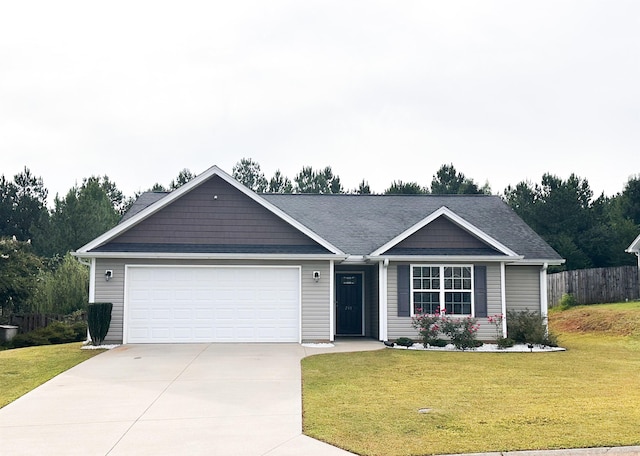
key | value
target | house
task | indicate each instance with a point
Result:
(215, 262)
(635, 248)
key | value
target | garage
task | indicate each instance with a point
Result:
(191, 304)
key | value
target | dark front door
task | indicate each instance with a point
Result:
(349, 304)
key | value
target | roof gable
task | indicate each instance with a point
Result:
(635, 246)
(416, 235)
(441, 237)
(215, 213)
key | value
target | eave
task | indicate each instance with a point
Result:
(635, 246)
(207, 256)
(449, 258)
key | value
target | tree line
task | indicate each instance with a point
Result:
(588, 231)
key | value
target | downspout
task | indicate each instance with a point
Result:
(92, 277)
(332, 301)
(382, 298)
(503, 298)
(544, 299)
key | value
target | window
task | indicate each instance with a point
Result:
(442, 288)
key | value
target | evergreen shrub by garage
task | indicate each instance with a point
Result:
(99, 319)
(57, 332)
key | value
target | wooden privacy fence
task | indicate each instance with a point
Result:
(594, 286)
(30, 322)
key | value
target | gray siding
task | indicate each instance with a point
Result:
(396, 326)
(113, 292)
(315, 295)
(315, 302)
(523, 288)
(401, 326)
(441, 233)
(231, 218)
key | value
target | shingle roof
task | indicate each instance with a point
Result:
(142, 202)
(360, 224)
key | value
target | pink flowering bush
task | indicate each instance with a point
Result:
(428, 328)
(461, 331)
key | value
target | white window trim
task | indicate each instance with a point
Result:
(442, 290)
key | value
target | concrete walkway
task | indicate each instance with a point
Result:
(200, 399)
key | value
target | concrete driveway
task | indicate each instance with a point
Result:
(209, 399)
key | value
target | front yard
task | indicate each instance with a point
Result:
(397, 402)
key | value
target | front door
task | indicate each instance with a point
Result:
(349, 303)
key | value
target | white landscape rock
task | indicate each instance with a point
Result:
(87, 346)
(488, 348)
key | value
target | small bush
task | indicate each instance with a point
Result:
(505, 342)
(567, 301)
(528, 327)
(461, 331)
(427, 326)
(439, 343)
(404, 342)
(56, 333)
(99, 320)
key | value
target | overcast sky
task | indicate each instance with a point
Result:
(138, 90)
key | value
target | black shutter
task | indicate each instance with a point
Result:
(404, 289)
(480, 290)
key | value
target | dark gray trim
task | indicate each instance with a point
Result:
(480, 290)
(127, 247)
(404, 290)
(443, 251)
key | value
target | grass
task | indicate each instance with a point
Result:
(23, 369)
(587, 396)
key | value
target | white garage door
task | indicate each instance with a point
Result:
(212, 304)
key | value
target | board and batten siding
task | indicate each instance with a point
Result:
(315, 295)
(401, 326)
(523, 288)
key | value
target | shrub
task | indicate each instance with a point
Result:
(528, 327)
(505, 342)
(439, 343)
(56, 333)
(99, 319)
(568, 300)
(427, 326)
(404, 342)
(461, 331)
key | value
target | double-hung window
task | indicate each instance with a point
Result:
(442, 288)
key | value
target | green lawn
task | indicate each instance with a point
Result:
(23, 369)
(368, 402)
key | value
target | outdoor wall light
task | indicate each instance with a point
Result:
(316, 276)
(108, 274)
